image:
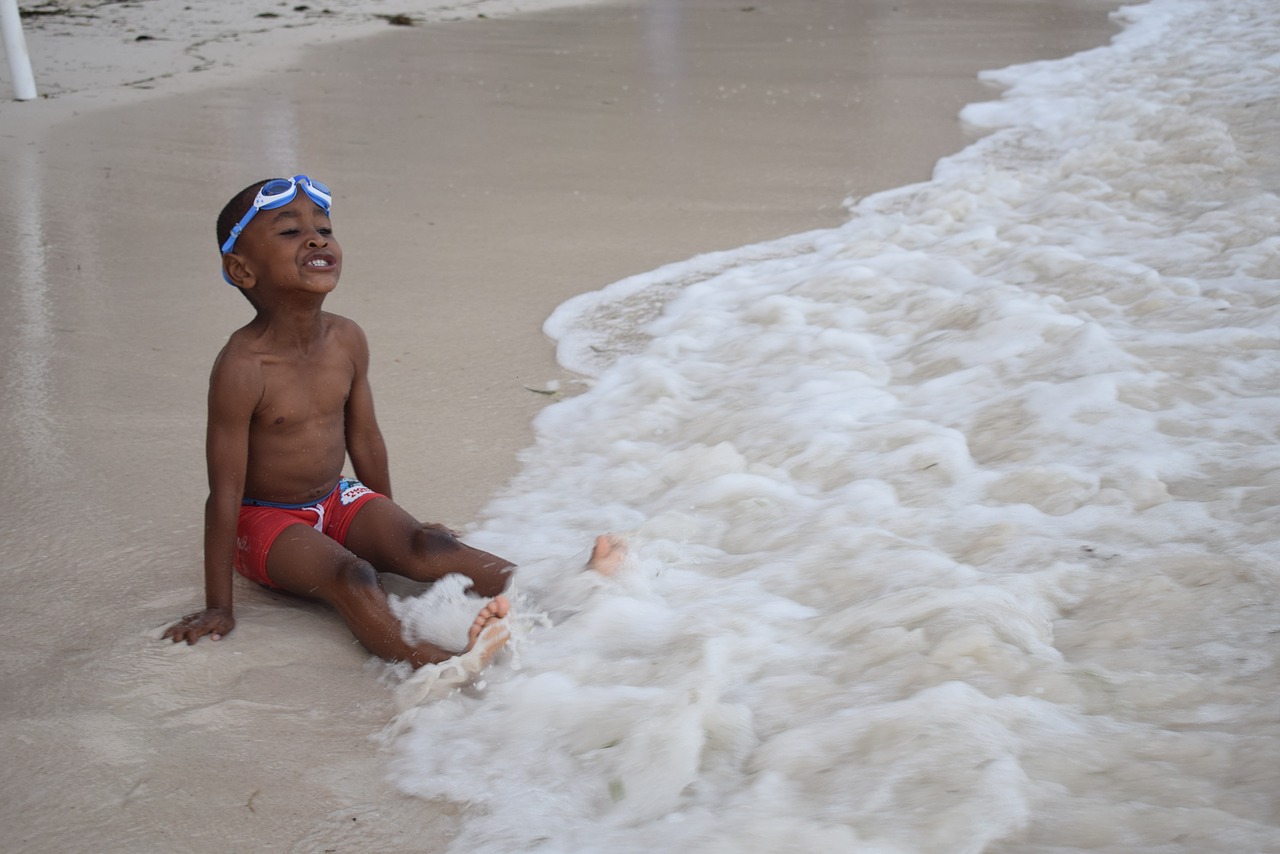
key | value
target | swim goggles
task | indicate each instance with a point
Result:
(277, 193)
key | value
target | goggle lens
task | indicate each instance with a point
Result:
(280, 191)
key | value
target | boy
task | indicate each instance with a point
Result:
(289, 400)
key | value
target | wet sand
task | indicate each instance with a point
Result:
(485, 170)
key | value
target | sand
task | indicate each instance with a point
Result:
(486, 169)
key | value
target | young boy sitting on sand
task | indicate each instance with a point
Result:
(289, 400)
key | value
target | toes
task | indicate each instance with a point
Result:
(493, 612)
(496, 608)
(607, 554)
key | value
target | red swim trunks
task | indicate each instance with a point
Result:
(262, 521)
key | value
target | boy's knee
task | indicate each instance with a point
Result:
(432, 540)
(356, 576)
(442, 553)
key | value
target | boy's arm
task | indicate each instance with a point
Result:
(234, 390)
(365, 444)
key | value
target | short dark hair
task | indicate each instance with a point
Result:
(231, 214)
(237, 208)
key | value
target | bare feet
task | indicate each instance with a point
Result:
(489, 632)
(607, 554)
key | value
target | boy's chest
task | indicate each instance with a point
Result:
(300, 393)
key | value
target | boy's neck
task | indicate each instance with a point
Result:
(292, 323)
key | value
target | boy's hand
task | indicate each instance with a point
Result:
(214, 622)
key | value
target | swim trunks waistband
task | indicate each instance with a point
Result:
(254, 502)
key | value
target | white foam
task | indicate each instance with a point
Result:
(954, 527)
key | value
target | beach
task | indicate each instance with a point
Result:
(486, 169)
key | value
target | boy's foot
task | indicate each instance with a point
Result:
(607, 554)
(489, 632)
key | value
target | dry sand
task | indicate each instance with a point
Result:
(485, 171)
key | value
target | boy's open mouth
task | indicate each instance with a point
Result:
(319, 261)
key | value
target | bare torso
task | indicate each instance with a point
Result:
(297, 436)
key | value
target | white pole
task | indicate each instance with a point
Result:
(15, 47)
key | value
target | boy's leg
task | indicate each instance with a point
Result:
(306, 562)
(388, 537)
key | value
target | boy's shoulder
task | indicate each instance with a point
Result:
(346, 334)
(340, 324)
(240, 359)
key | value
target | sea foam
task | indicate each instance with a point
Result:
(953, 528)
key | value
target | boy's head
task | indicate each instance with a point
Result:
(273, 216)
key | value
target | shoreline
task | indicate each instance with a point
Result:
(89, 55)
(485, 171)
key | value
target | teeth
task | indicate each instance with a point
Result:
(318, 262)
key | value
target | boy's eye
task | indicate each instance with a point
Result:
(325, 231)
(289, 232)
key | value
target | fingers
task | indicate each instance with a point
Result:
(192, 627)
(183, 631)
(180, 631)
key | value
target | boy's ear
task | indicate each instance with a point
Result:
(238, 271)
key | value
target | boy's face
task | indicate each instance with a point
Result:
(290, 248)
